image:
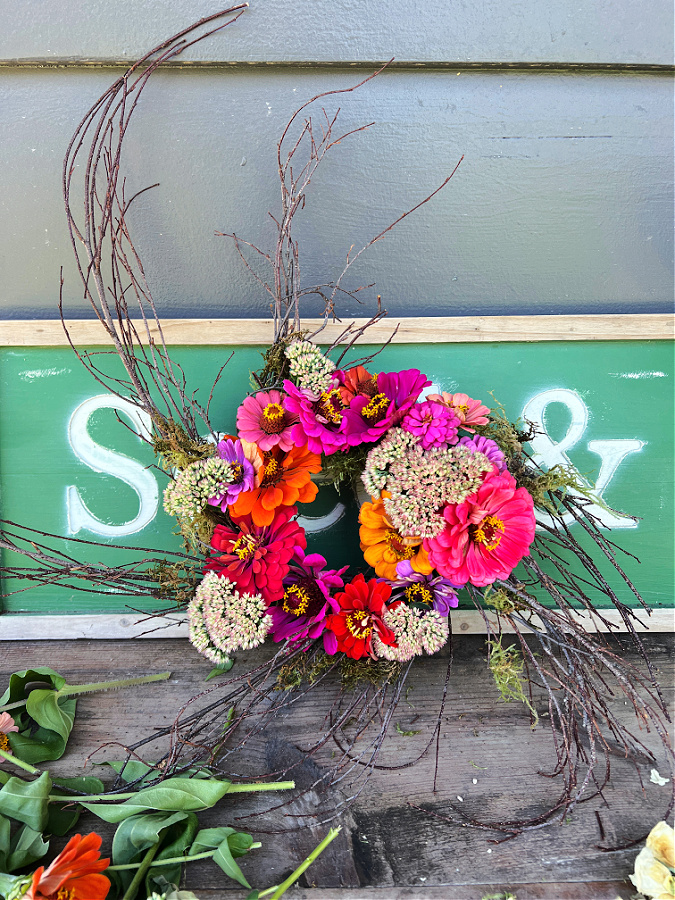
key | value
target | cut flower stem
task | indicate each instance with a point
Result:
(69, 690)
(111, 798)
(274, 893)
(19, 762)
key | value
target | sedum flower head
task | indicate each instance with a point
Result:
(416, 631)
(187, 496)
(223, 620)
(309, 368)
(421, 482)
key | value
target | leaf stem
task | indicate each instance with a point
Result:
(19, 762)
(132, 890)
(261, 786)
(274, 893)
(207, 854)
(89, 798)
(70, 689)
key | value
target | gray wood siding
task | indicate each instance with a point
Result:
(563, 203)
(504, 31)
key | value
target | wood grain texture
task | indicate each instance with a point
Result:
(592, 31)
(115, 627)
(430, 329)
(389, 851)
(561, 205)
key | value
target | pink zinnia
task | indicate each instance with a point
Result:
(256, 558)
(487, 535)
(470, 412)
(319, 418)
(433, 424)
(368, 417)
(265, 420)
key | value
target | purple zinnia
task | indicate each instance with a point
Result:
(320, 426)
(487, 447)
(307, 601)
(368, 417)
(242, 471)
(436, 592)
(433, 424)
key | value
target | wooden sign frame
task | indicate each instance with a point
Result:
(251, 332)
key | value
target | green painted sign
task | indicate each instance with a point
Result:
(67, 465)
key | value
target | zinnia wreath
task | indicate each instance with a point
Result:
(448, 500)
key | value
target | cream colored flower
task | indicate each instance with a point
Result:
(661, 841)
(651, 877)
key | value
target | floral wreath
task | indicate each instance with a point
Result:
(444, 512)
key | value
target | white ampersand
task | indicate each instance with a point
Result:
(549, 453)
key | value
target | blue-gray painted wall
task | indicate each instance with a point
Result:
(564, 115)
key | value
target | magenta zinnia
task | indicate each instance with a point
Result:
(319, 417)
(369, 417)
(307, 601)
(487, 535)
(254, 557)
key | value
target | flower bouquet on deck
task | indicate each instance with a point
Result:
(449, 506)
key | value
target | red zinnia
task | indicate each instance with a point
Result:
(74, 874)
(487, 535)
(362, 607)
(257, 557)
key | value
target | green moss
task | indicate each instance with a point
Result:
(344, 469)
(176, 582)
(353, 672)
(503, 601)
(176, 449)
(506, 665)
(277, 366)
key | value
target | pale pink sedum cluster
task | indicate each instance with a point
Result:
(223, 620)
(416, 632)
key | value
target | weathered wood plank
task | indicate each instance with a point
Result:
(14, 627)
(430, 329)
(345, 30)
(560, 206)
(390, 850)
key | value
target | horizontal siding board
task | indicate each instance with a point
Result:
(591, 31)
(563, 203)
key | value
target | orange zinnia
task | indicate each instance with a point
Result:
(384, 547)
(74, 874)
(284, 479)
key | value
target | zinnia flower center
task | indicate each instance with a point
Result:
(376, 408)
(237, 473)
(4, 742)
(359, 623)
(368, 386)
(463, 408)
(487, 532)
(244, 547)
(63, 893)
(330, 406)
(395, 542)
(296, 600)
(273, 472)
(419, 593)
(273, 418)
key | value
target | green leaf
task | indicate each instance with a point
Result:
(27, 801)
(9, 882)
(88, 784)
(27, 847)
(172, 795)
(220, 670)
(225, 841)
(64, 816)
(254, 895)
(5, 829)
(133, 769)
(174, 833)
(44, 722)
(44, 707)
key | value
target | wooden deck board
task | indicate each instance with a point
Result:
(387, 849)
